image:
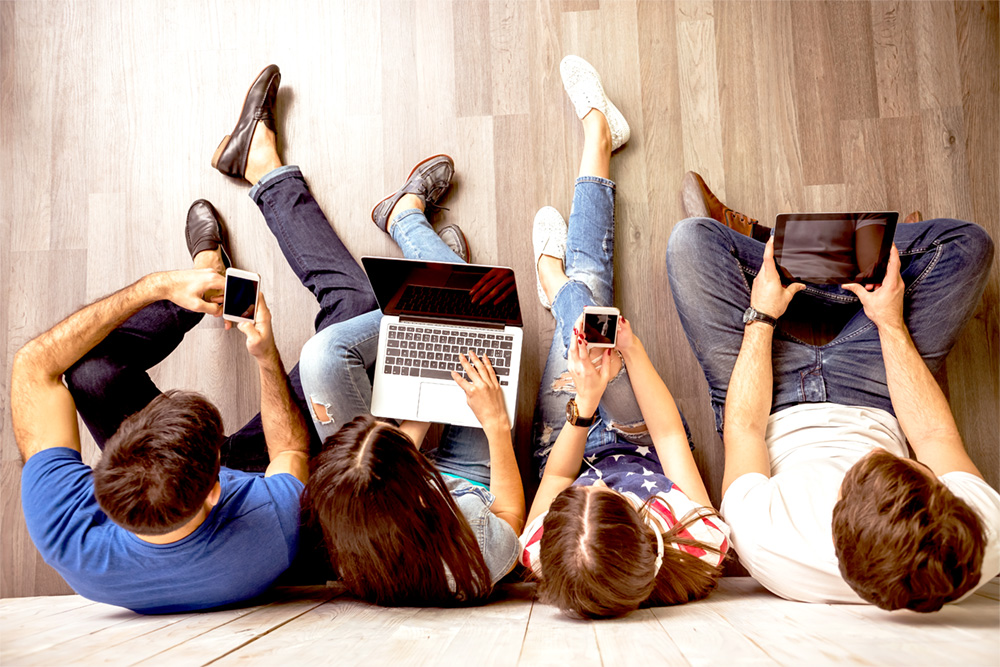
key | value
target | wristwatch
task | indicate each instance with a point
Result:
(573, 417)
(751, 314)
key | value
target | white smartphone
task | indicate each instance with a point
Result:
(242, 292)
(600, 326)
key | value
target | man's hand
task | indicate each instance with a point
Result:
(589, 381)
(260, 339)
(768, 295)
(482, 390)
(884, 304)
(187, 289)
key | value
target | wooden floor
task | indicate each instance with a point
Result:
(110, 111)
(739, 624)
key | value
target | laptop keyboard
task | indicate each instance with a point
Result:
(432, 351)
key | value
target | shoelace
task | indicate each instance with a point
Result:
(732, 215)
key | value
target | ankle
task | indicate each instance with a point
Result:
(210, 259)
(263, 155)
(596, 127)
(406, 203)
(551, 275)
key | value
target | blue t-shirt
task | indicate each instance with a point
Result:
(245, 543)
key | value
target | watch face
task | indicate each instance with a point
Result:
(571, 411)
(748, 314)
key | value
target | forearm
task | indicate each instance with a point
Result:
(284, 426)
(659, 411)
(505, 479)
(920, 405)
(51, 354)
(748, 404)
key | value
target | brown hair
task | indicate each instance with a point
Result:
(394, 532)
(161, 464)
(598, 557)
(903, 539)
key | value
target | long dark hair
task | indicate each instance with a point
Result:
(598, 557)
(394, 533)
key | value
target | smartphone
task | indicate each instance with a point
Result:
(242, 292)
(600, 326)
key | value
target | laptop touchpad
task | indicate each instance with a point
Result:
(444, 404)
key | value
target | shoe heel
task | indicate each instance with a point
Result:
(218, 151)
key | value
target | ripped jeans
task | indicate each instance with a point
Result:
(589, 266)
(336, 364)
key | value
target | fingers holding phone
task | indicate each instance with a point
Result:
(260, 338)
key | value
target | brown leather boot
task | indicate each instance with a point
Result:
(916, 216)
(699, 202)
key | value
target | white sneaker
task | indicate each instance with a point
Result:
(548, 237)
(583, 85)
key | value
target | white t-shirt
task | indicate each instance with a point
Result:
(782, 526)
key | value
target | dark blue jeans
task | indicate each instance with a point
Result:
(111, 382)
(945, 264)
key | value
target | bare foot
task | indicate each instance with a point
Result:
(263, 156)
(551, 275)
(405, 203)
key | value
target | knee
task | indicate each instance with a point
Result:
(91, 376)
(688, 238)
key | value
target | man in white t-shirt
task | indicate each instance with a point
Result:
(823, 501)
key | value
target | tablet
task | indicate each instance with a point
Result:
(833, 248)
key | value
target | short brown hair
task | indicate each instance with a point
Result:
(598, 558)
(161, 464)
(394, 533)
(905, 540)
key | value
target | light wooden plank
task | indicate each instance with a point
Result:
(700, 102)
(553, 639)
(509, 60)
(622, 640)
(895, 58)
(903, 163)
(18, 614)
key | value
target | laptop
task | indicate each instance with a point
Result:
(432, 311)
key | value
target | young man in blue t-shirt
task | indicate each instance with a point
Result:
(163, 524)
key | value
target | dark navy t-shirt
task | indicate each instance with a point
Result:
(245, 543)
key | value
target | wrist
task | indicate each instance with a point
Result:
(270, 361)
(586, 408)
(154, 287)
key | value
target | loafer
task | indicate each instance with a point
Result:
(429, 180)
(204, 231)
(586, 92)
(454, 238)
(700, 202)
(231, 156)
(548, 237)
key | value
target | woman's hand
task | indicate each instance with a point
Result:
(627, 340)
(482, 391)
(590, 382)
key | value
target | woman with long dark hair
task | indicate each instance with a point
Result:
(405, 527)
(610, 528)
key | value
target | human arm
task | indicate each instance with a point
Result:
(748, 400)
(42, 409)
(284, 426)
(919, 403)
(663, 420)
(485, 397)
(566, 457)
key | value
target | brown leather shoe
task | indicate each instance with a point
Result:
(204, 231)
(916, 216)
(429, 180)
(699, 202)
(231, 156)
(454, 238)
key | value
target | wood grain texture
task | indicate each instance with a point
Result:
(740, 623)
(110, 112)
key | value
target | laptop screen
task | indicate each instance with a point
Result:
(441, 291)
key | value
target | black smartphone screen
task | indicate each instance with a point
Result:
(241, 297)
(833, 248)
(601, 328)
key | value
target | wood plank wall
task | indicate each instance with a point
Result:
(110, 112)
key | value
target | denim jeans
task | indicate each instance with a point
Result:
(589, 266)
(337, 364)
(111, 381)
(944, 264)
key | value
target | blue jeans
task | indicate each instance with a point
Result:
(944, 264)
(590, 268)
(111, 381)
(337, 364)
